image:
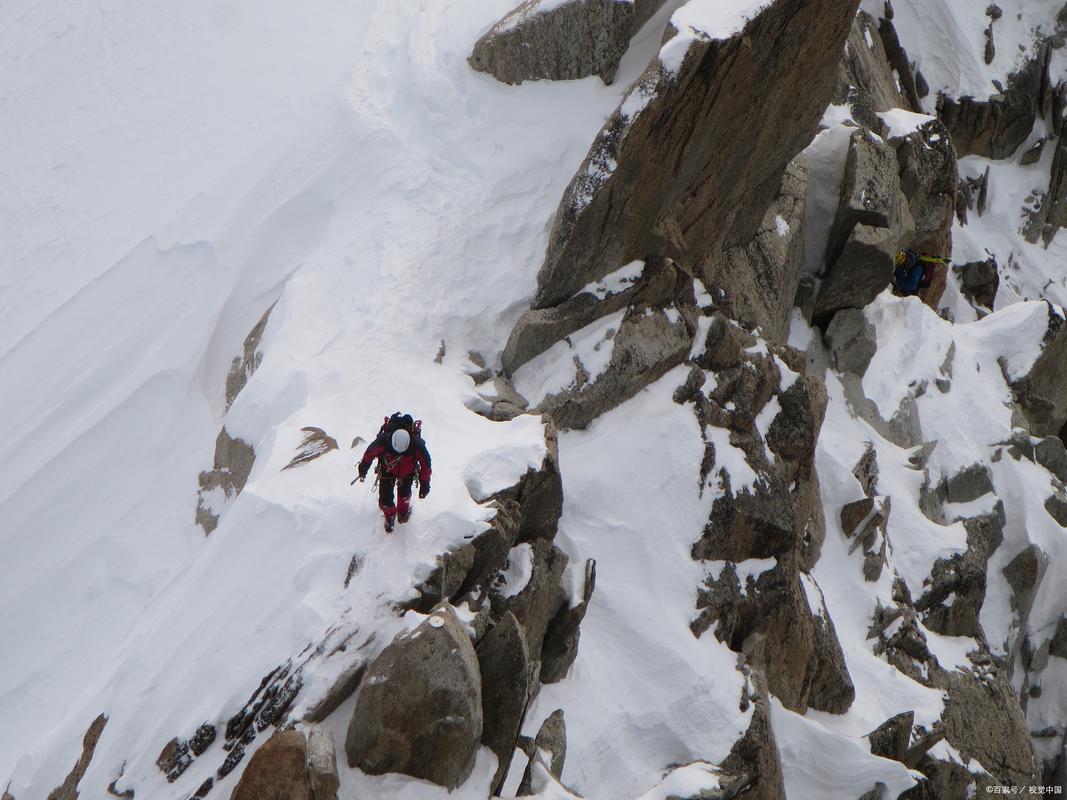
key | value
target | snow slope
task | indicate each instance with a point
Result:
(173, 173)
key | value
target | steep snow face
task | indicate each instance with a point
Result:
(169, 175)
(644, 693)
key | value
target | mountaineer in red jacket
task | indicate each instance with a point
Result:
(402, 457)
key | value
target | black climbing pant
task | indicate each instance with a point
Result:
(385, 494)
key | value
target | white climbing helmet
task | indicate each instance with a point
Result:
(401, 440)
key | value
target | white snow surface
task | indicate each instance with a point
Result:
(946, 40)
(671, 698)
(901, 122)
(703, 20)
(817, 762)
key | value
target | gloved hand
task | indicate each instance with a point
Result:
(363, 469)
(424, 489)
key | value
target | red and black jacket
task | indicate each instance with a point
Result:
(416, 460)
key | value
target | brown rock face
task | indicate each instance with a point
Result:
(756, 753)
(68, 790)
(773, 260)
(419, 708)
(690, 161)
(277, 771)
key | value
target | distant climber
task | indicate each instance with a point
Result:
(402, 460)
(915, 271)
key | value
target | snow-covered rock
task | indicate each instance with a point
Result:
(561, 39)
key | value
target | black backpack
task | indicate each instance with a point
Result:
(398, 421)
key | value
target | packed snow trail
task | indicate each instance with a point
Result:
(172, 175)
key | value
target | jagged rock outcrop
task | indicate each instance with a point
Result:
(929, 179)
(953, 600)
(243, 366)
(507, 681)
(548, 749)
(561, 638)
(232, 465)
(892, 738)
(68, 790)
(773, 260)
(526, 512)
(912, 84)
(773, 514)
(1024, 574)
(679, 168)
(975, 695)
(538, 601)
(645, 347)
(547, 39)
(852, 341)
(316, 443)
(1041, 393)
(1051, 215)
(872, 223)
(771, 621)
(995, 127)
(980, 281)
(419, 707)
(769, 618)
(755, 755)
(1052, 455)
(865, 80)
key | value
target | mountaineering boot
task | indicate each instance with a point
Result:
(403, 516)
(389, 522)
